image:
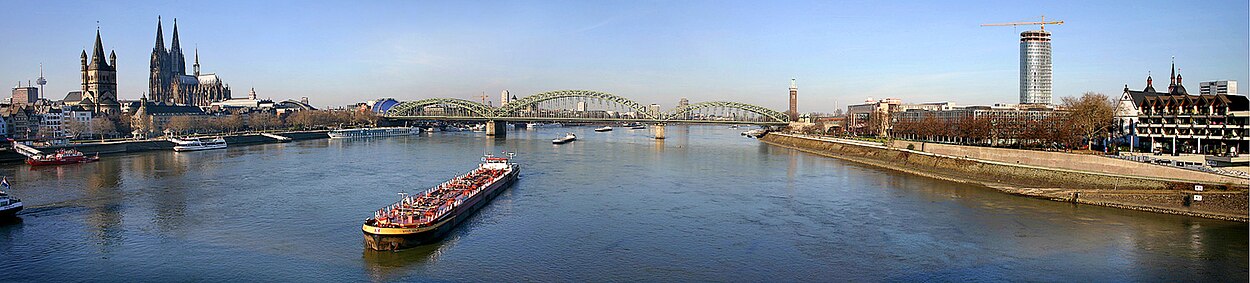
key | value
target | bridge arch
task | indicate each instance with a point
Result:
(769, 114)
(474, 108)
(527, 101)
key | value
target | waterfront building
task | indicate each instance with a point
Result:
(1177, 122)
(99, 81)
(168, 81)
(581, 106)
(153, 117)
(794, 101)
(24, 94)
(683, 103)
(654, 109)
(251, 102)
(380, 105)
(1217, 87)
(1035, 67)
(19, 119)
(505, 98)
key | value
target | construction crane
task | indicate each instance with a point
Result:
(483, 97)
(1042, 23)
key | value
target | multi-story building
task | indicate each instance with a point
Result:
(50, 121)
(24, 94)
(1217, 87)
(1035, 67)
(871, 117)
(168, 81)
(1177, 122)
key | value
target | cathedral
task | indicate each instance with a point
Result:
(168, 81)
(99, 81)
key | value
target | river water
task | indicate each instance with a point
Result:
(703, 205)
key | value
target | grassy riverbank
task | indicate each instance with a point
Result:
(1222, 198)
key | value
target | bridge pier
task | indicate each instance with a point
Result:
(498, 130)
(658, 128)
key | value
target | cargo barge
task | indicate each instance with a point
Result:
(428, 216)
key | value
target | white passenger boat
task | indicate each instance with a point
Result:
(9, 205)
(604, 129)
(374, 132)
(193, 144)
(568, 137)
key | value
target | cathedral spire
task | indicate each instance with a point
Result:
(179, 64)
(160, 36)
(197, 62)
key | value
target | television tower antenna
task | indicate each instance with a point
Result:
(41, 81)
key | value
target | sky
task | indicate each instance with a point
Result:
(841, 52)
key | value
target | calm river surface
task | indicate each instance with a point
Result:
(704, 205)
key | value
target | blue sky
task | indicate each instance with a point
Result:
(842, 52)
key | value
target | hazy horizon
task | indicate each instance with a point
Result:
(338, 53)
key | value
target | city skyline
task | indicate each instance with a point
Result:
(841, 54)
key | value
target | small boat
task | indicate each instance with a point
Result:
(61, 157)
(568, 137)
(638, 127)
(193, 144)
(604, 129)
(9, 205)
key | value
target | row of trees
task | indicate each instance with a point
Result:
(310, 119)
(122, 125)
(1079, 122)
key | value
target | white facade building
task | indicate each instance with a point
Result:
(1218, 87)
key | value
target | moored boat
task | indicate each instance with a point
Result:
(427, 216)
(568, 137)
(373, 132)
(193, 144)
(9, 205)
(61, 157)
(604, 129)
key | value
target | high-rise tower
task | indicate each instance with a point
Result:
(1035, 67)
(1034, 61)
(794, 101)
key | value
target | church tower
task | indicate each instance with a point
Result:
(177, 62)
(159, 78)
(100, 81)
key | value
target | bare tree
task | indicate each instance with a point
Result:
(102, 126)
(1090, 116)
(75, 128)
(179, 124)
(232, 123)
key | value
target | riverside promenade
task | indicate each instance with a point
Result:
(125, 146)
(1077, 178)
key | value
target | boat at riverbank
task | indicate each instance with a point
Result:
(9, 205)
(427, 216)
(568, 137)
(61, 157)
(194, 144)
(604, 129)
(374, 132)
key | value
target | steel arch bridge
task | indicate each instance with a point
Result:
(584, 106)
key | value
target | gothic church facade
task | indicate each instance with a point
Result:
(168, 81)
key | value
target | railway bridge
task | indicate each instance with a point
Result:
(582, 106)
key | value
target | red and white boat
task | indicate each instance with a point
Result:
(61, 156)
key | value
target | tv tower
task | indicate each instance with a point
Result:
(41, 81)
